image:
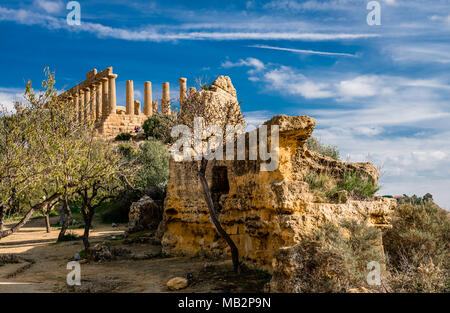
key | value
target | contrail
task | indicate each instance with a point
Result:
(303, 51)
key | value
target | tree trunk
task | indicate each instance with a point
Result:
(27, 217)
(215, 219)
(47, 221)
(2, 217)
(87, 226)
(67, 219)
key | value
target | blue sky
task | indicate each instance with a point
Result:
(380, 93)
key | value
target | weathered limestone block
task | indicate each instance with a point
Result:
(214, 105)
(263, 212)
(144, 214)
(137, 107)
(177, 283)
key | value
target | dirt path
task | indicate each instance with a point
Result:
(43, 266)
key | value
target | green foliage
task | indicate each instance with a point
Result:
(153, 161)
(55, 154)
(126, 151)
(417, 247)
(328, 188)
(159, 126)
(333, 258)
(149, 165)
(314, 144)
(415, 199)
(69, 237)
(358, 186)
(123, 137)
(116, 211)
(205, 86)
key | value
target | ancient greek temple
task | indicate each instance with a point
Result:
(95, 99)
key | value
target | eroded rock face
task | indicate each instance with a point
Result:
(218, 105)
(144, 214)
(262, 211)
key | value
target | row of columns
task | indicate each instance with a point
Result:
(99, 99)
(96, 100)
(148, 101)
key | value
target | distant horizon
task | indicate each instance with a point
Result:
(380, 93)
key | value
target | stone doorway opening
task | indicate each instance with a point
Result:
(219, 185)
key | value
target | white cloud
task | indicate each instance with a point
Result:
(254, 119)
(255, 64)
(50, 6)
(288, 81)
(420, 53)
(362, 87)
(158, 34)
(410, 165)
(8, 96)
(401, 122)
(303, 51)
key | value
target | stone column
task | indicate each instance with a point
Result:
(112, 93)
(93, 109)
(183, 90)
(75, 101)
(165, 101)
(81, 106)
(98, 108)
(148, 106)
(130, 98)
(155, 106)
(71, 102)
(137, 107)
(105, 104)
(192, 91)
(87, 103)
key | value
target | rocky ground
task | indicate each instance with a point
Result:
(41, 265)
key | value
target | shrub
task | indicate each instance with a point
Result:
(69, 237)
(326, 187)
(417, 247)
(126, 151)
(357, 185)
(333, 258)
(153, 160)
(123, 137)
(116, 211)
(159, 126)
(314, 144)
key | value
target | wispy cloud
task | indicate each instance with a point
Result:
(50, 6)
(254, 63)
(420, 53)
(303, 51)
(155, 33)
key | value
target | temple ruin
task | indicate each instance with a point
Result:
(95, 99)
(266, 213)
